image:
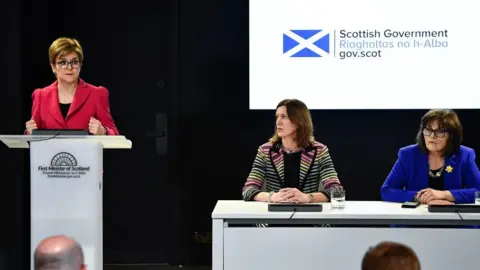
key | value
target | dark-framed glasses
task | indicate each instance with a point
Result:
(437, 133)
(64, 63)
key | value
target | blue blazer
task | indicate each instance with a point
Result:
(410, 174)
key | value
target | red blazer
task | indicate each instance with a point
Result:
(88, 101)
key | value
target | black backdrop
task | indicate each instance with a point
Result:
(187, 61)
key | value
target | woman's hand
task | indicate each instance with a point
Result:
(294, 195)
(428, 194)
(95, 127)
(30, 125)
(279, 197)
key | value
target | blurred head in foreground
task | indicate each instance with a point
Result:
(390, 256)
(59, 252)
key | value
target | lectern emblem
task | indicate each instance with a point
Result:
(63, 159)
(64, 165)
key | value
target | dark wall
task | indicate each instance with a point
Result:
(11, 162)
(186, 61)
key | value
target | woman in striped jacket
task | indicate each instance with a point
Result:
(292, 166)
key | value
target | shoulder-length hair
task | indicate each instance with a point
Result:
(300, 116)
(448, 121)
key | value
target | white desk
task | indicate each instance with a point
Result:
(239, 245)
(471, 216)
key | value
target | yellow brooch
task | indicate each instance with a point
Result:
(449, 169)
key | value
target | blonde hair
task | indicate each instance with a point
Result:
(63, 46)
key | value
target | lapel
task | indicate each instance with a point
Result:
(81, 95)
(54, 105)
(79, 98)
(306, 162)
(276, 158)
(423, 170)
(449, 171)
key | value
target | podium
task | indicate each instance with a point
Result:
(66, 188)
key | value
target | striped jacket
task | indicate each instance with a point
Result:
(317, 173)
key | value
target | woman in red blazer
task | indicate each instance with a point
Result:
(69, 102)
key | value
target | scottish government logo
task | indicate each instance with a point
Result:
(306, 43)
(361, 43)
(64, 165)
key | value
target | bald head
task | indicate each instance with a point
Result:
(58, 252)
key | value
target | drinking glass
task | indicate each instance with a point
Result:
(338, 199)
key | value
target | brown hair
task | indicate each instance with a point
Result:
(448, 121)
(300, 116)
(390, 256)
(63, 46)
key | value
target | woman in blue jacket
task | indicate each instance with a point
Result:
(436, 170)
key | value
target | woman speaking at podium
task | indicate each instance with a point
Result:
(69, 102)
(292, 167)
(437, 169)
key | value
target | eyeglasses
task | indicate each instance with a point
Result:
(437, 133)
(64, 64)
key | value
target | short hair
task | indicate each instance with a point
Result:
(63, 46)
(70, 258)
(300, 116)
(390, 256)
(447, 120)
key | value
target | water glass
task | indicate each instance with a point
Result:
(338, 199)
(477, 197)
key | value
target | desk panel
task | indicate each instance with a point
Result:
(343, 248)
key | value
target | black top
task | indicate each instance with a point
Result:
(64, 109)
(436, 183)
(292, 169)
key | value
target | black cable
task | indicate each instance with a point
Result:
(45, 139)
(292, 214)
(460, 215)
